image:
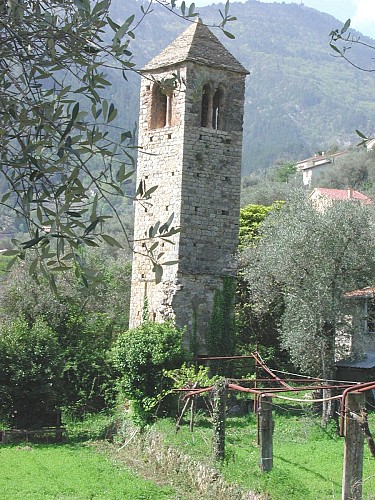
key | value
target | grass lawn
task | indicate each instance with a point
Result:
(307, 460)
(74, 472)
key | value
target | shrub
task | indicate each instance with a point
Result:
(30, 368)
(141, 355)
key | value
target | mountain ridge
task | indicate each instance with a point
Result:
(299, 97)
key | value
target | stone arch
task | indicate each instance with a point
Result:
(162, 102)
(212, 106)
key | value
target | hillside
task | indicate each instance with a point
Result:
(299, 97)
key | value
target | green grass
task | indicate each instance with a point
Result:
(74, 472)
(307, 460)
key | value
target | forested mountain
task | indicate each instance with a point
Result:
(299, 98)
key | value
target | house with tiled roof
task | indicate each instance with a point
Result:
(323, 197)
(312, 167)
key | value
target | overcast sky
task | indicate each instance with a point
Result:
(361, 12)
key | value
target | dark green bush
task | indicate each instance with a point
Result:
(141, 355)
(30, 372)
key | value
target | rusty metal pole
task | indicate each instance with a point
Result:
(353, 451)
(266, 433)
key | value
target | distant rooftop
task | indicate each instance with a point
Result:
(340, 195)
(198, 44)
(318, 160)
(362, 293)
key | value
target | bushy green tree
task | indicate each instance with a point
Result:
(83, 322)
(31, 365)
(312, 257)
(141, 355)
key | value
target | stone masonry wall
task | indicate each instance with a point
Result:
(197, 170)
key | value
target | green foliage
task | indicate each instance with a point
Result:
(355, 169)
(262, 188)
(87, 381)
(83, 324)
(52, 53)
(188, 376)
(67, 150)
(251, 218)
(256, 328)
(30, 371)
(92, 427)
(141, 355)
(221, 334)
(312, 257)
(285, 172)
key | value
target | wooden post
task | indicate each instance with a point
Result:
(353, 452)
(192, 408)
(219, 413)
(266, 433)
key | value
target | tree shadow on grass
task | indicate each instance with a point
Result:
(306, 469)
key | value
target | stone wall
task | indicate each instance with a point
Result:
(197, 170)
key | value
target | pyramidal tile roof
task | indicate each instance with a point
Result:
(198, 44)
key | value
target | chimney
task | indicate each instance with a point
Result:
(350, 193)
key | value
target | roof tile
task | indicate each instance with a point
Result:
(197, 43)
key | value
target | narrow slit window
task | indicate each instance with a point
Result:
(217, 108)
(206, 112)
(159, 108)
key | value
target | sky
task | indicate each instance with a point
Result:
(361, 12)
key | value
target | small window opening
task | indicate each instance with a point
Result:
(206, 112)
(169, 136)
(161, 108)
(224, 212)
(217, 105)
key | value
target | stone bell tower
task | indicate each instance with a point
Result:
(191, 140)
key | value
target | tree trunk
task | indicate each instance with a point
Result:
(328, 360)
